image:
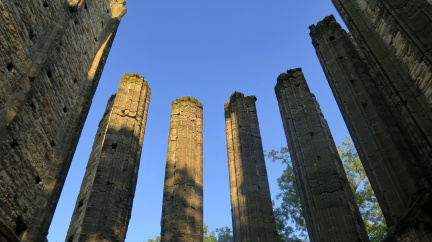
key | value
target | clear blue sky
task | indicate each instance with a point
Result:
(206, 49)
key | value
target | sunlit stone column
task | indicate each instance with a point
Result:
(328, 203)
(251, 205)
(182, 211)
(104, 204)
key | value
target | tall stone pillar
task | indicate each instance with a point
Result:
(182, 211)
(104, 204)
(251, 206)
(328, 203)
(393, 168)
(403, 27)
(52, 54)
(395, 37)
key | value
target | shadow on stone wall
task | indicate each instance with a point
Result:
(182, 212)
(104, 204)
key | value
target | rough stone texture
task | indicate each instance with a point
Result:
(400, 185)
(328, 203)
(397, 62)
(52, 54)
(182, 211)
(104, 204)
(251, 206)
(404, 26)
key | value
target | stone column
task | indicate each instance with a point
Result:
(104, 204)
(182, 211)
(404, 28)
(383, 149)
(395, 39)
(251, 206)
(51, 61)
(328, 203)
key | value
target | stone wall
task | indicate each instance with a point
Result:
(182, 211)
(104, 204)
(251, 206)
(52, 53)
(383, 150)
(328, 203)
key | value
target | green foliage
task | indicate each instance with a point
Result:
(224, 234)
(290, 222)
(158, 239)
(365, 198)
(289, 212)
(209, 236)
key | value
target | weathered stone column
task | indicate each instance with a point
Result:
(104, 204)
(251, 207)
(395, 37)
(328, 203)
(182, 211)
(383, 149)
(51, 58)
(403, 27)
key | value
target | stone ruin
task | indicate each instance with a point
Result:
(251, 205)
(182, 209)
(380, 74)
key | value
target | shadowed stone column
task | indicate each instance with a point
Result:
(400, 186)
(395, 37)
(182, 211)
(328, 203)
(52, 54)
(404, 31)
(104, 204)
(251, 206)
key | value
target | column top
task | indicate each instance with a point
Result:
(291, 73)
(328, 22)
(237, 96)
(129, 77)
(188, 98)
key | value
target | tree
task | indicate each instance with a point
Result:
(158, 239)
(289, 213)
(209, 237)
(363, 193)
(224, 234)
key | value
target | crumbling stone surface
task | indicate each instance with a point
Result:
(393, 168)
(328, 203)
(388, 44)
(182, 211)
(104, 204)
(251, 205)
(405, 27)
(51, 57)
